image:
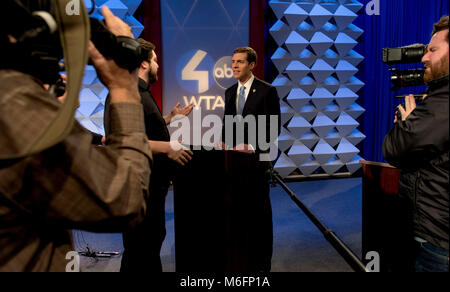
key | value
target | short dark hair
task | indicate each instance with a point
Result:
(147, 45)
(441, 25)
(251, 54)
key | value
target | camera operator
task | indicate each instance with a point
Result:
(419, 145)
(73, 184)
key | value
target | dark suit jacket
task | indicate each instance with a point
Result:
(262, 100)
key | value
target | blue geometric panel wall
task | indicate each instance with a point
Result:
(317, 85)
(93, 93)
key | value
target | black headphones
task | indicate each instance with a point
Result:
(36, 48)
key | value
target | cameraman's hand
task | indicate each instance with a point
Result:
(115, 24)
(122, 85)
(410, 106)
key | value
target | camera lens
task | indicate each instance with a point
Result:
(414, 54)
(406, 78)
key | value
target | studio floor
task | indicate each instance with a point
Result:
(298, 245)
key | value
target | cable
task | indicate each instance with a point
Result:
(92, 8)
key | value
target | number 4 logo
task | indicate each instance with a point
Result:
(189, 72)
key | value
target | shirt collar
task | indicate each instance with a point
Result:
(247, 84)
(143, 85)
(438, 83)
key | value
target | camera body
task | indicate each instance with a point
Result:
(404, 55)
(405, 78)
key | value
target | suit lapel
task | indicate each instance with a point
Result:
(252, 95)
(231, 100)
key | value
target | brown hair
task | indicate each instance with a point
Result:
(147, 45)
(251, 54)
(441, 25)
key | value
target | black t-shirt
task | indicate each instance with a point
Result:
(156, 130)
(155, 125)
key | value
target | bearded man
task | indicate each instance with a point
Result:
(418, 144)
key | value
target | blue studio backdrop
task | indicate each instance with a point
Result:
(199, 37)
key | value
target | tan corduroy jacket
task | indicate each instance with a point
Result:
(72, 185)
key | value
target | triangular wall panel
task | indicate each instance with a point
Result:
(322, 125)
(280, 31)
(319, 16)
(295, 43)
(287, 112)
(285, 140)
(284, 165)
(321, 70)
(308, 111)
(343, 17)
(306, 29)
(283, 85)
(296, 70)
(332, 165)
(298, 98)
(323, 152)
(308, 84)
(298, 126)
(320, 43)
(299, 153)
(281, 59)
(295, 15)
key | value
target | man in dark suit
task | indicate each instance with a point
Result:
(253, 99)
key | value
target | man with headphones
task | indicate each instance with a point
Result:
(52, 179)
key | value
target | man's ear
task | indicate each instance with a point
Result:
(252, 66)
(145, 65)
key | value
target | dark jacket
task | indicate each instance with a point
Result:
(420, 147)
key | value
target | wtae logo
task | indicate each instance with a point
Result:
(197, 66)
(197, 72)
